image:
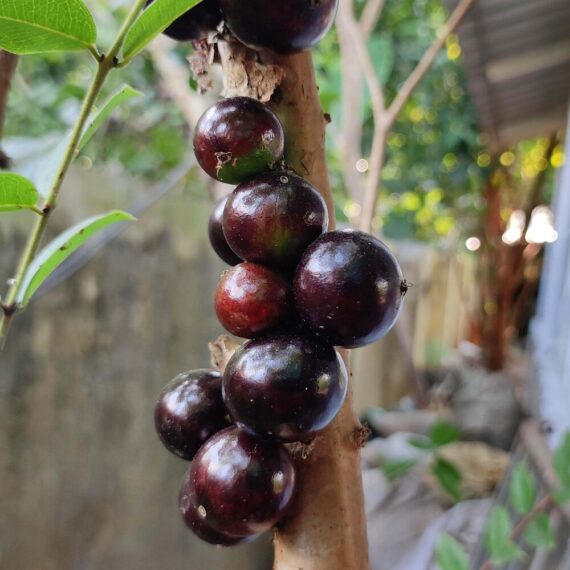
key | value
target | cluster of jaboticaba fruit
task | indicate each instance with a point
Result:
(282, 26)
(295, 291)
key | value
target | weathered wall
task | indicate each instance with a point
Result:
(84, 482)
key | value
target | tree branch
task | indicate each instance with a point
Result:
(427, 60)
(354, 37)
(104, 67)
(541, 507)
(174, 81)
(393, 111)
(370, 16)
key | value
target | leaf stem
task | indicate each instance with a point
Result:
(106, 63)
(95, 53)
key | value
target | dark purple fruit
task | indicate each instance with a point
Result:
(286, 387)
(272, 218)
(349, 288)
(251, 299)
(189, 411)
(238, 485)
(238, 138)
(195, 24)
(217, 237)
(282, 26)
(194, 521)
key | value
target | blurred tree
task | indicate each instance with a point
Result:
(432, 182)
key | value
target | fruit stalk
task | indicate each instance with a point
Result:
(326, 530)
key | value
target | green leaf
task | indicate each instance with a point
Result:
(448, 476)
(421, 442)
(539, 532)
(395, 468)
(444, 433)
(450, 555)
(562, 465)
(154, 20)
(498, 541)
(16, 193)
(39, 26)
(561, 496)
(522, 489)
(381, 49)
(99, 117)
(61, 248)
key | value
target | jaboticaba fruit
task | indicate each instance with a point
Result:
(283, 26)
(286, 387)
(192, 515)
(239, 485)
(189, 410)
(272, 218)
(238, 138)
(197, 23)
(251, 299)
(349, 288)
(217, 237)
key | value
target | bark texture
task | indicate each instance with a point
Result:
(326, 529)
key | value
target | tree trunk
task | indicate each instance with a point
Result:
(327, 529)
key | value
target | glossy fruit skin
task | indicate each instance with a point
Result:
(272, 218)
(282, 26)
(285, 387)
(189, 411)
(239, 485)
(357, 283)
(251, 299)
(238, 138)
(195, 24)
(216, 234)
(197, 524)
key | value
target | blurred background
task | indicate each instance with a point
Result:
(475, 201)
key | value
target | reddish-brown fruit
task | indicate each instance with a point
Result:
(282, 26)
(272, 218)
(194, 521)
(287, 387)
(217, 237)
(238, 138)
(195, 24)
(349, 288)
(239, 485)
(190, 410)
(251, 299)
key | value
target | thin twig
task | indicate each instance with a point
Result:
(541, 507)
(105, 66)
(427, 60)
(348, 22)
(372, 187)
(370, 16)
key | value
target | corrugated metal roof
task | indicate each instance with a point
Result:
(517, 57)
